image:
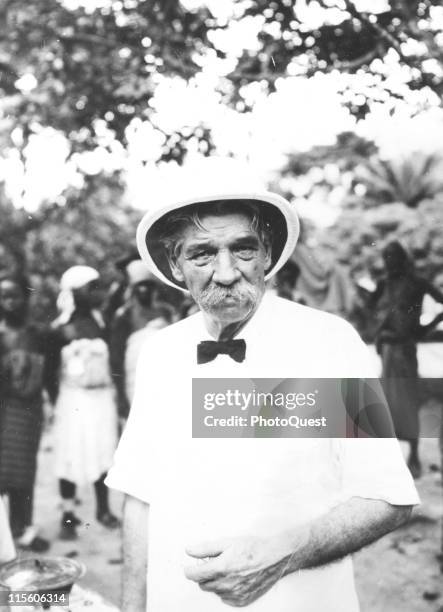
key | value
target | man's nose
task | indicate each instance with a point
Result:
(225, 269)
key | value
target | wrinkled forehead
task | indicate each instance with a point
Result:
(213, 225)
(165, 236)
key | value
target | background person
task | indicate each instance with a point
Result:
(142, 314)
(432, 309)
(398, 300)
(24, 373)
(117, 293)
(85, 411)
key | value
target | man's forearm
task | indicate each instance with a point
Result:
(135, 555)
(241, 570)
(342, 531)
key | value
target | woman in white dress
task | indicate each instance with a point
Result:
(86, 421)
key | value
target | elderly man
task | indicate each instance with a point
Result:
(263, 523)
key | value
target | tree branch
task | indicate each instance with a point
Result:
(357, 62)
(174, 62)
(364, 18)
(88, 39)
(415, 62)
(266, 75)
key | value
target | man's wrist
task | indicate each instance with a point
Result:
(296, 543)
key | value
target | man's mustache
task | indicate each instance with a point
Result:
(216, 294)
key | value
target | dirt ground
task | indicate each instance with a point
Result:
(400, 572)
(98, 548)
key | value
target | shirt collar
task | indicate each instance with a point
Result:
(253, 327)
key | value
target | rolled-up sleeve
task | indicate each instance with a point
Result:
(374, 468)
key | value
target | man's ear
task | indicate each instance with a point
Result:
(175, 269)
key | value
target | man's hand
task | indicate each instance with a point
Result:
(239, 570)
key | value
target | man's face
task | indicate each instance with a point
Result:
(223, 266)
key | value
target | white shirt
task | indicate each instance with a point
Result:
(201, 489)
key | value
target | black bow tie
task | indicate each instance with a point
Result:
(209, 349)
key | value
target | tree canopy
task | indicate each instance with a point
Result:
(78, 70)
(83, 67)
(92, 71)
(350, 40)
(96, 226)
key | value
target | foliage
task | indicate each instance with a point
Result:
(93, 66)
(409, 180)
(347, 152)
(13, 231)
(95, 227)
(101, 67)
(359, 236)
(350, 41)
(382, 200)
(327, 166)
(402, 199)
(89, 73)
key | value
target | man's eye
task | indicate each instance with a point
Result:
(245, 252)
(201, 256)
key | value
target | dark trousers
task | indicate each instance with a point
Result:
(68, 490)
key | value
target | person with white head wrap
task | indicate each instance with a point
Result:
(138, 272)
(86, 424)
(74, 278)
